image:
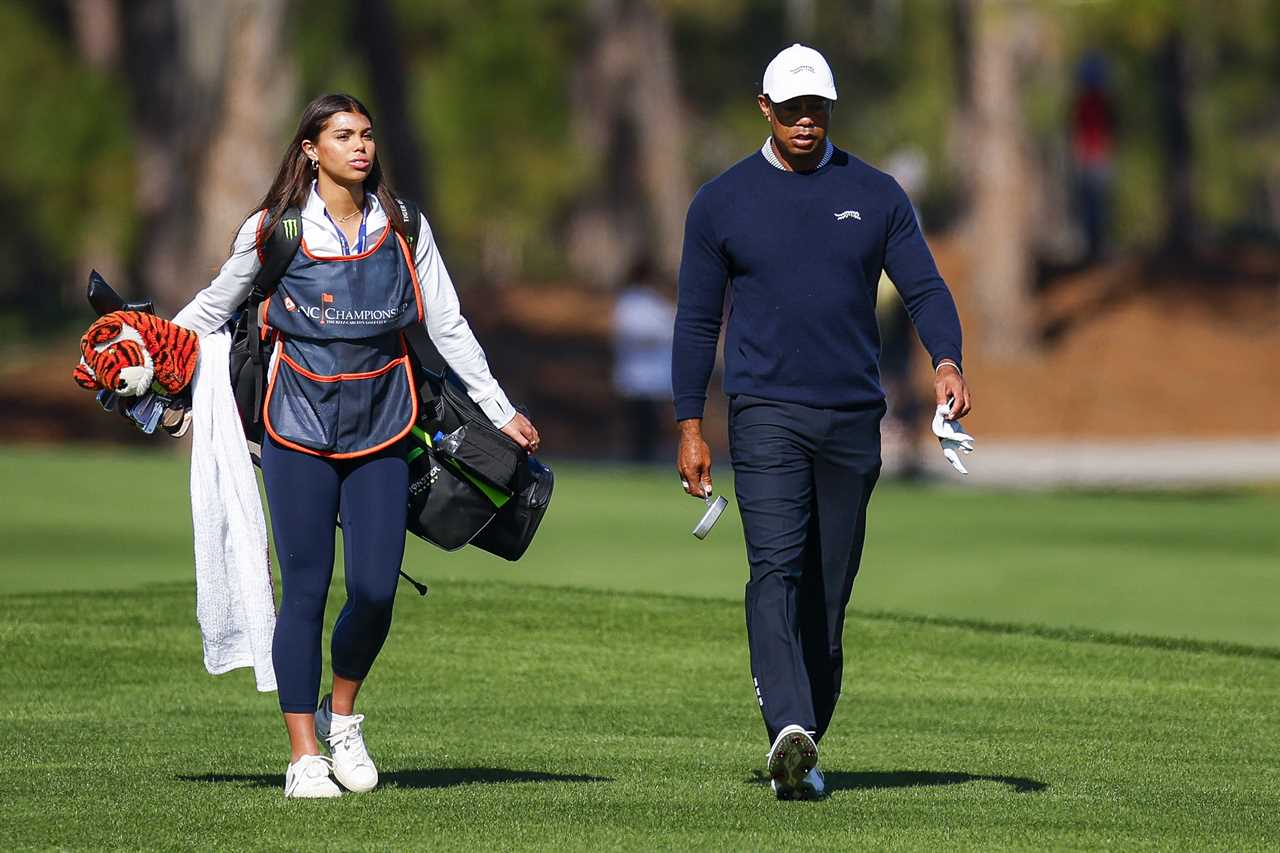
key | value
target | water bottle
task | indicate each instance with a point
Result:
(449, 444)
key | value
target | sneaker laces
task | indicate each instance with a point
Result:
(312, 763)
(350, 739)
(308, 767)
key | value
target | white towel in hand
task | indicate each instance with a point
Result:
(234, 602)
(954, 439)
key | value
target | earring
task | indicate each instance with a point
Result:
(315, 164)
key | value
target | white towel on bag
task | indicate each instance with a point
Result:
(235, 605)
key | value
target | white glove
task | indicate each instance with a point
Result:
(954, 439)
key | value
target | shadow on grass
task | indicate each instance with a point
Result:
(447, 777)
(873, 779)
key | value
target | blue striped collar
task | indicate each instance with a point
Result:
(767, 151)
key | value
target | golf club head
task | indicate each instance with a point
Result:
(104, 298)
(715, 508)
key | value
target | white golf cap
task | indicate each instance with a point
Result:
(797, 71)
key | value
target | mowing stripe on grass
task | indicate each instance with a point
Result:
(526, 718)
(1079, 635)
(1201, 565)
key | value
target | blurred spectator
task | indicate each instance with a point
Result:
(1093, 127)
(643, 318)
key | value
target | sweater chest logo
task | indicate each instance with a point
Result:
(849, 214)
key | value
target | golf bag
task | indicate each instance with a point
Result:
(468, 482)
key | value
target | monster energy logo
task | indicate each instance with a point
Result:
(290, 228)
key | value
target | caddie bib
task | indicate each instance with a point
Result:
(342, 385)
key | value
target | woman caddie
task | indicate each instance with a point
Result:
(340, 400)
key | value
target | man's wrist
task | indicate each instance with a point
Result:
(947, 362)
(690, 426)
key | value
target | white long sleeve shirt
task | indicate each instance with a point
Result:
(214, 305)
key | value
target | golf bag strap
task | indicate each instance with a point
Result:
(277, 253)
(416, 334)
(420, 344)
(411, 216)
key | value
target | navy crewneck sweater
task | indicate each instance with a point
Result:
(802, 254)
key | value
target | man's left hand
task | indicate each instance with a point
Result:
(950, 388)
(521, 430)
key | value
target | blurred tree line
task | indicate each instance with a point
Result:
(563, 139)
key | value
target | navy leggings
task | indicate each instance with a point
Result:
(306, 494)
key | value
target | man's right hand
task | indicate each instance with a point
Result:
(693, 460)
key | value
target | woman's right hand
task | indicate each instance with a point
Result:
(522, 431)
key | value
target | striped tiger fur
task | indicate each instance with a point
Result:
(127, 351)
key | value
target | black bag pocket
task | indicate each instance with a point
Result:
(509, 534)
(478, 446)
(480, 454)
(446, 508)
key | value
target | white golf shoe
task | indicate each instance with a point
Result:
(789, 762)
(344, 736)
(812, 787)
(308, 778)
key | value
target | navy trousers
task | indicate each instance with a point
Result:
(306, 494)
(803, 478)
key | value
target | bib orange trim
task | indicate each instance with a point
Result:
(257, 235)
(366, 253)
(413, 274)
(339, 377)
(404, 361)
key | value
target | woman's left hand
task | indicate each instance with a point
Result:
(522, 431)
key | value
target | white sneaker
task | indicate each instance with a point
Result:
(789, 761)
(308, 778)
(344, 736)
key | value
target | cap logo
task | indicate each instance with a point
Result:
(800, 68)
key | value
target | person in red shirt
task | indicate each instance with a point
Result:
(1093, 127)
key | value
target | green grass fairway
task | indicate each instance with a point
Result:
(512, 717)
(1190, 565)
(597, 695)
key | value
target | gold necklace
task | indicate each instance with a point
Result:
(342, 219)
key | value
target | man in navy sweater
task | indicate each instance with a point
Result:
(800, 231)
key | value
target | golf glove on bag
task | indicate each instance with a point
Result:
(953, 438)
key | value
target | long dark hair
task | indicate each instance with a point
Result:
(293, 180)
